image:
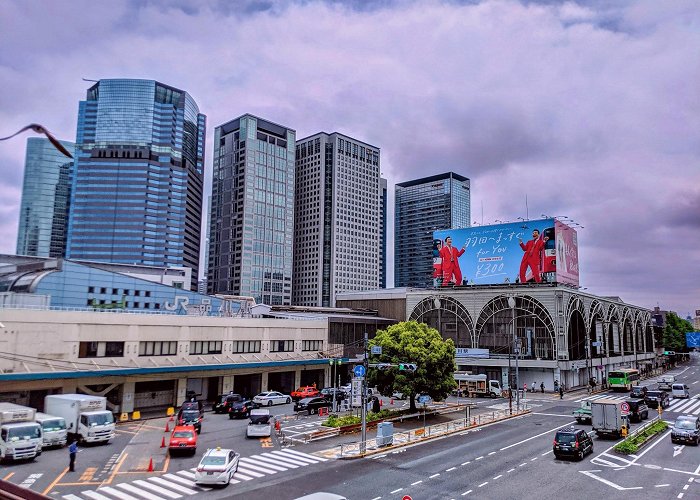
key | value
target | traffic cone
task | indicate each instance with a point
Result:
(167, 428)
(381, 403)
(150, 465)
(162, 442)
(172, 419)
(391, 401)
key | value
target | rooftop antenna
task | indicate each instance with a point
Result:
(527, 212)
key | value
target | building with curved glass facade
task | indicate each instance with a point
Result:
(137, 190)
(423, 206)
(45, 199)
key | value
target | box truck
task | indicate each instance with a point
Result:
(53, 430)
(608, 417)
(87, 418)
(20, 435)
(478, 385)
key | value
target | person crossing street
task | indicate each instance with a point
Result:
(72, 452)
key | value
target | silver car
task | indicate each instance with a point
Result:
(271, 398)
(217, 466)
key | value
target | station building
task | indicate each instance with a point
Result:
(563, 333)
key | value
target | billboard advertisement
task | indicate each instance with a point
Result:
(534, 251)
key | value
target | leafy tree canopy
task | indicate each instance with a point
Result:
(413, 342)
(674, 333)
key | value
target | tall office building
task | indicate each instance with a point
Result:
(337, 225)
(252, 211)
(43, 218)
(421, 207)
(383, 199)
(139, 176)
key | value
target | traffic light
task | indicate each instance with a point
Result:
(407, 367)
(383, 366)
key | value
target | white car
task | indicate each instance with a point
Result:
(259, 424)
(271, 398)
(398, 395)
(217, 466)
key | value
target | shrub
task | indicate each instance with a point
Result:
(632, 443)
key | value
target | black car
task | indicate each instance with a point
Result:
(330, 393)
(686, 429)
(638, 410)
(639, 391)
(224, 401)
(240, 409)
(311, 405)
(572, 443)
(193, 404)
(656, 398)
(190, 417)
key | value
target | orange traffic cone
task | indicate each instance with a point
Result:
(172, 419)
(167, 428)
(162, 442)
(150, 465)
(391, 401)
(381, 403)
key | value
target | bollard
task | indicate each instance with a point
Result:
(150, 465)
(136, 415)
(162, 442)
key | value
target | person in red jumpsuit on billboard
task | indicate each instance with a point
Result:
(450, 264)
(532, 257)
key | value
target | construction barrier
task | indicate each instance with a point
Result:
(323, 412)
(124, 417)
(170, 412)
(136, 415)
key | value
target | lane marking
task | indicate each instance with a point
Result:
(547, 453)
(533, 459)
(434, 475)
(466, 493)
(451, 468)
(500, 475)
(479, 458)
(523, 464)
(492, 453)
(417, 482)
(396, 491)
(538, 435)
(58, 478)
(483, 484)
(465, 463)
(511, 470)
(376, 498)
(589, 473)
(661, 485)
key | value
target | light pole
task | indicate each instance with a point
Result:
(363, 442)
(511, 304)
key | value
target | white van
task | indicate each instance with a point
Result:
(680, 391)
(53, 430)
(259, 424)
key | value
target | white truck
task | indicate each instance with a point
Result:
(666, 382)
(608, 417)
(87, 417)
(478, 385)
(20, 435)
(53, 429)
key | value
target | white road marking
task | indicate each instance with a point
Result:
(117, 493)
(492, 453)
(396, 491)
(95, 495)
(533, 459)
(511, 470)
(71, 497)
(265, 463)
(249, 472)
(538, 435)
(434, 475)
(466, 493)
(238, 475)
(589, 473)
(451, 468)
(547, 453)
(304, 456)
(185, 482)
(483, 484)
(465, 463)
(157, 489)
(176, 487)
(686, 487)
(186, 473)
(250, 464)
(376, 498)
(136, 491)
(417, 482)
(479, 458)
(500, 475)
(661, 485)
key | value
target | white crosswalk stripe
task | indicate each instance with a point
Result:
(178, 484)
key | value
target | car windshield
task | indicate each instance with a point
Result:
(685, 424)
(260, 419)
(677, 387)
(264, 394)
(24, 432)
(100, 419)
(190, 415)
(565, 438)
(654, 394)
(213, 461)
(637, 390)
(182, 434)
(53, 425)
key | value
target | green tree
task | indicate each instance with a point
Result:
(674, 333)
(413, 342)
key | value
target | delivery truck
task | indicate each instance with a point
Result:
(53, 429)
(87, 418)
(20, 435)
(478, 385)
(608, 417)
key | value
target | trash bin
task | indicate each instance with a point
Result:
(385, 433)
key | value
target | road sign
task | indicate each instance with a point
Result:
(422, 399)
(596, 344)
(359, 371)
(624, 407)
(356, 392)
(406, 497)
(376, 349)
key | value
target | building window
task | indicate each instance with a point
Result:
(244, 346)
(311, 345)
(205, 347)
(158, 348)
(178, 284)
(281, 346)
(91, 289)
(101, 350)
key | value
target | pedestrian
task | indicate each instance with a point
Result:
(72, 452)
(561, 392)
(542, 387)
(532, 387)
(524, 388)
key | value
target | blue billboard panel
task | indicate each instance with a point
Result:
(692, 339)
(519, 252)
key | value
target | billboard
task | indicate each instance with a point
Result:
(534, 251)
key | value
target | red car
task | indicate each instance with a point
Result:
(183, 438)
(308, 391)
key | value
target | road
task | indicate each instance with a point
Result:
(510, 459)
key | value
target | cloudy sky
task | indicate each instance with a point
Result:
(590, 109)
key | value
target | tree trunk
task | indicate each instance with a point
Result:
(412, 399)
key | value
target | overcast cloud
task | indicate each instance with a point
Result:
(589, 110)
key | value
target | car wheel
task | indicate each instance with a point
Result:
(580, 455)
(269, 403)
(556, 456)
(312, 411)
(289, 400)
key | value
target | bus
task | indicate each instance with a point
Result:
(622, 378)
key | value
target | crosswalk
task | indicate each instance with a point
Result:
(689, 406)
(172, 486)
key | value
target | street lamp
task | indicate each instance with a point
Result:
(511, 304)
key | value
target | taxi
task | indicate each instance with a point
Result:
(217, 466)
(308, 391)
(183, 438)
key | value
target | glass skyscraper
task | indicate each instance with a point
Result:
(252, 211)
(139, 174)
(45, 199)
(421, 207)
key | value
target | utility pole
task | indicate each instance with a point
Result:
(363, 442)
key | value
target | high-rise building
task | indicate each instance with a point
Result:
(383, 199)
(43, 218)
(252, 211)
(421, 207)
(338, 219)
(139, 176)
